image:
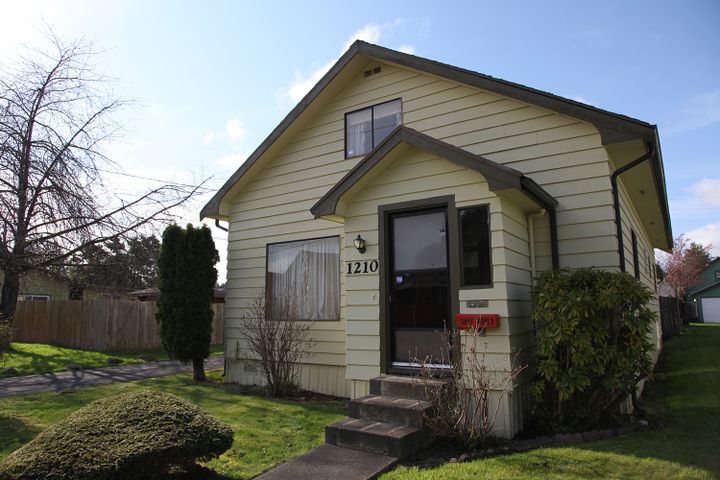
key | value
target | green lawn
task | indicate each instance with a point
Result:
(267, 432)
(31, 358)
(683, 406)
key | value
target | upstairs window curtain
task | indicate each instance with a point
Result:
(303, 279)
(366, 128)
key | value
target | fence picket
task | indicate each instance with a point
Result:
(102, 325)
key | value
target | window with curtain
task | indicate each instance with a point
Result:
(475, 246)
(303, 279)
(366, 128)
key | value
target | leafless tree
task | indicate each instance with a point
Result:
(56, 114)
(276, 342)
(466, 407)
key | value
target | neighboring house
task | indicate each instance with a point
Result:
(151, 294)
(706, 294)
(42, 286)
(37, 285)
(462, 188)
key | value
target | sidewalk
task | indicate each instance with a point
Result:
(60, 381)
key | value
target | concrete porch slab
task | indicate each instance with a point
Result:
(330, 462)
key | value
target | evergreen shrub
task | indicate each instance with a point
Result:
(592, 346)
(135, 436)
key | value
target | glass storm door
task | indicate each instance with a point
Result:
(419, 289)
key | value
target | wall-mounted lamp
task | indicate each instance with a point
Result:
(359, 243)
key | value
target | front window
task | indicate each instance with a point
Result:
(303, 279)
(475, 246)
(366, 128)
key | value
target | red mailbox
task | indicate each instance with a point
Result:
(466, 321)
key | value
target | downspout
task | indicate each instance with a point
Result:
(217, 224)
(531, 240)
(554, 239)
(616, 200)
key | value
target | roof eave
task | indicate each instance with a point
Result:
(613, 127)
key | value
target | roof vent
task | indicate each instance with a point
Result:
(372, 71)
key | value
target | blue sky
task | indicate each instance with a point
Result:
(213, 78)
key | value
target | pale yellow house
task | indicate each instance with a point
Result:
(461, 187)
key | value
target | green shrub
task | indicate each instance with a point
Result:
(5, 338)
(132, 436)
(187, 276)
(592, 346)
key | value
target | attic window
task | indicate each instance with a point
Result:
(366, 128)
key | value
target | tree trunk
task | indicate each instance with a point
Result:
(10, 291)
(198, 370)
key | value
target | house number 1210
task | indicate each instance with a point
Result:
(366, 266)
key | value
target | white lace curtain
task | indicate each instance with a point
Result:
(304, 277)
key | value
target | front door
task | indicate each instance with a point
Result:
(419, 289)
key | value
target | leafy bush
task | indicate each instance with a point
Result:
(140, 435)
(592, 346)
(5, 338)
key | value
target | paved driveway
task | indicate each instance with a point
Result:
(60, 381)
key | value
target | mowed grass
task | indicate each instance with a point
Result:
(34, 358)
(267, 432)
(683, 405)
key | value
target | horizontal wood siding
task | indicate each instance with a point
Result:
(563, 155)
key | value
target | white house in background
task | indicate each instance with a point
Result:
(461, 186)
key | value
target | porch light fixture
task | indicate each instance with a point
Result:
(359, 243)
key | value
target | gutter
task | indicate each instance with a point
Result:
(530, 188)
(616, 199)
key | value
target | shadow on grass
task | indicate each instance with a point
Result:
(15, 432)
(683, 405)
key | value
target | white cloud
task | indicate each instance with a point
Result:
(235, 129)
(302, 84)
(581, 99)
(701, 111)
(706, 235)
(707, 192)
(371, 33)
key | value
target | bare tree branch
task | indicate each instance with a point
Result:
(56, 114)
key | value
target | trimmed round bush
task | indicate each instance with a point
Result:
(139, 435)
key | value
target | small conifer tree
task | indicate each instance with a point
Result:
(187, 278)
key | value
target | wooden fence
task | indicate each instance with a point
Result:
(101, 325)
(670, 316)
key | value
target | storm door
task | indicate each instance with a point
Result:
(419, 288)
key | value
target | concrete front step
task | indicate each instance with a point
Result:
(377, 437)
(383, 408)
(405, 387)
(329, 462)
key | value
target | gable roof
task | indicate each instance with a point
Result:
(613, 127)
(702, 289)
(499, 177)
